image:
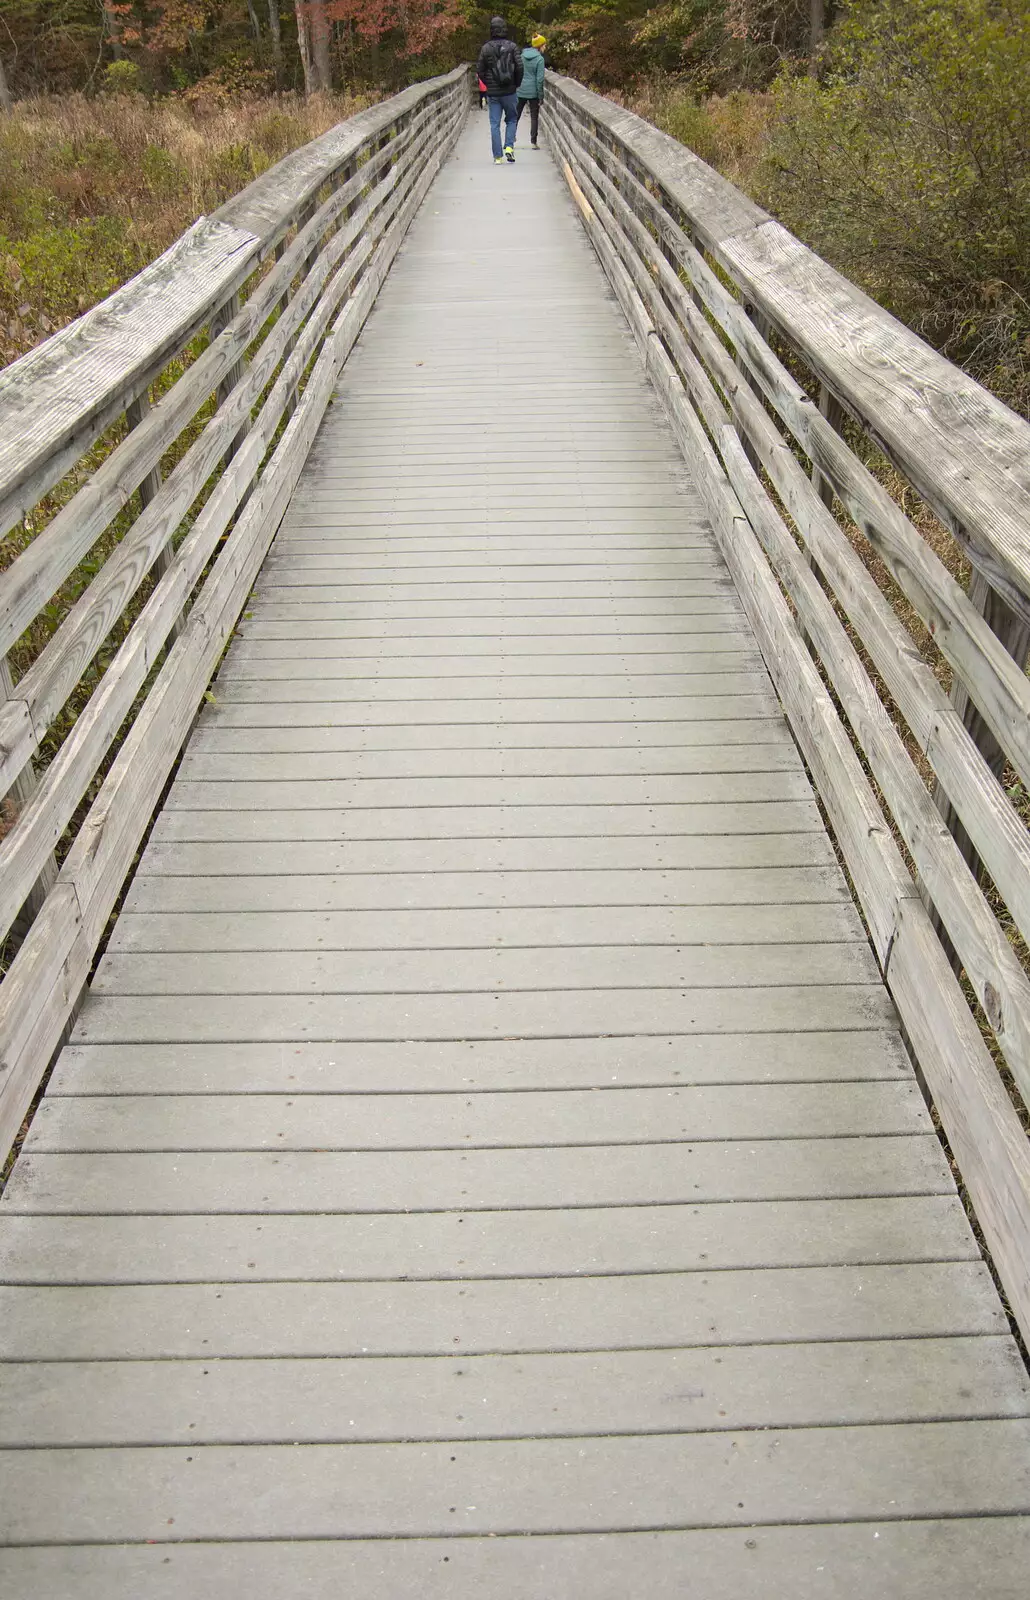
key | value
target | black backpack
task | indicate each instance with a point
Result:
(504, 66)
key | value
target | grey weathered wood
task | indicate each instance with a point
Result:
(483, 1119)
(976, 655)
(986, 1106)
(539, 927)
(474, 1067)
(322, 1491)
(964, 450)
(245, 892)
(516, 1039)
(489, 1244)
(648, 1311)
(52, 965)
(57, 399)
(386, 1183)
(946, 1559)
(73, 1404)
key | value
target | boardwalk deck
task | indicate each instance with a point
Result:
(488, 1119)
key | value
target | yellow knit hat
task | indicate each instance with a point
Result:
(538, 41)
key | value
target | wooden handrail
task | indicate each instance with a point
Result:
(61, 396)
(282, 278)
(965, 451)
(670, 233)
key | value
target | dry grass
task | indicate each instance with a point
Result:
(91, 190)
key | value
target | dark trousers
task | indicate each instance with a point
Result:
(534, 117)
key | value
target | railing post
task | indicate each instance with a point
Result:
(1014, 633)
(835, 414)
(763, 328)
(148, 490)
(219, 322)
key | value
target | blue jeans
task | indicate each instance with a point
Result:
(508, 103)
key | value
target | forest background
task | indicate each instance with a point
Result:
(891, 135)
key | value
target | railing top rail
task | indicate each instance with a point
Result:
(965, 451)
(264, 206)
(59, 395)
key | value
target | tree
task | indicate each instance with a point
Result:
(6, 103)
(275, 29)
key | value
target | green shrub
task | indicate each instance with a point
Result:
(909, 169)
(122, 77)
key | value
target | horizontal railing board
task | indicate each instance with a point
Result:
(296, 179)
(57, 398)
(964, 450)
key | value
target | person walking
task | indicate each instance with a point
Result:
(531, 89)
(500, 68)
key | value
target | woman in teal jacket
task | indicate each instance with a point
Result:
(531, 89)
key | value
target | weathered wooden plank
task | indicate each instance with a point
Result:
(424, 972)
(539, 926)
(245, 893)
(486, 1015)
(476, 1066)
(400, 771)
(216, 730)
(921, 1469)
(546, 855)
(307, 792)
(459, 1121)
(72, 1404)
(307, 711)
(493, 822)
(924, 1560)
(522, 1244)
(649, 1311)
(510, 1180)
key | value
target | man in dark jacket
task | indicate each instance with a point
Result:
(500, 68)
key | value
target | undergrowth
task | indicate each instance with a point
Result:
(93, 189)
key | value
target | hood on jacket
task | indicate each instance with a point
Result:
(531, 53)
(498, 28)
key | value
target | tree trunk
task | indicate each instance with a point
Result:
(304, 45)
(255, 25)
(320, 39)
(6, 103)
(275, 29)
(816, 33)
(111, 29)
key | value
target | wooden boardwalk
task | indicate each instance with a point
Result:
(488, 1119)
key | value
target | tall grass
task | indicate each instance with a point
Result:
(91, 190)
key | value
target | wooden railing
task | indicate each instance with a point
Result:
(937, 853)
(147, 454)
